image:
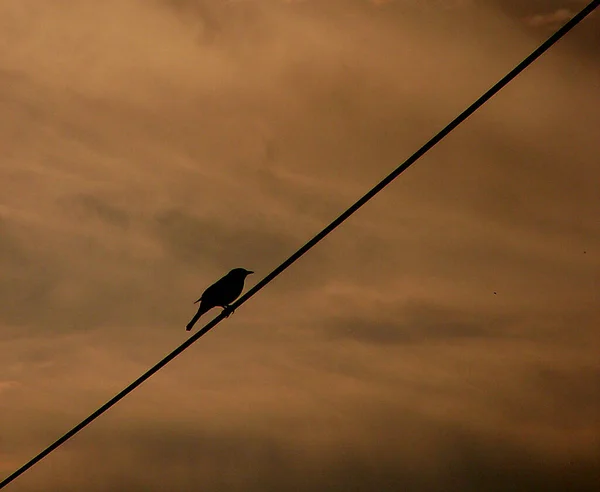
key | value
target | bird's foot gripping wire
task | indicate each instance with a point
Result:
(228, 311)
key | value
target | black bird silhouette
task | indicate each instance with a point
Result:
(222, 293)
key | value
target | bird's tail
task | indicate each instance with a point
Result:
(193, 321)
(201, 311)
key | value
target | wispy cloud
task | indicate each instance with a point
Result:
(559, 16)
(8, 385)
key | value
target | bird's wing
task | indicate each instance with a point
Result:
(213, 295)
(212, 290)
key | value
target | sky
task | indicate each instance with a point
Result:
(445, 338)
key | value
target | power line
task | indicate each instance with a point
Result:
(321, 235)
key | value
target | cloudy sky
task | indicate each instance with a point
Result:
(444, 339)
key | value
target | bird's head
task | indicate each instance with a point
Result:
(240, 272)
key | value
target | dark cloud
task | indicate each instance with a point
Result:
(196, 240)
(572, 390)
(93, 207)
(26, 278)
(158, 459)
(48, 290)
(418, 322)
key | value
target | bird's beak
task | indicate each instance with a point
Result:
(249, 272)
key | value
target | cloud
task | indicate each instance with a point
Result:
(144, 159)
(559, 16)
(94, 207)
(421, 321)
(184, 461)
(8, 385)
(193, 239)
(579, 386)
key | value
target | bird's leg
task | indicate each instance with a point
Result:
(227, 310)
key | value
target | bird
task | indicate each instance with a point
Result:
(221, 294)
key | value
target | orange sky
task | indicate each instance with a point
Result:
(444, 339)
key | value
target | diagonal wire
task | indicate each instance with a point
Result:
(321, 235)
